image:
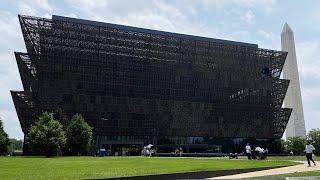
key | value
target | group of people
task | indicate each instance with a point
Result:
(262, 153)
(107, 152)
(257, 153)
(147, 151)
(178, 152)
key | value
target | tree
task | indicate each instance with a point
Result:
(314, 136)
(295, 144)
(4, 140)
(46, 137)
(16, 145)
(79, 136)
(283, 146)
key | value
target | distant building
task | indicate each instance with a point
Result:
(138, 86)
(296, 125)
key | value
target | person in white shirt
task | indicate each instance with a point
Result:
(309, 151)
(260, 151)
(248, 151)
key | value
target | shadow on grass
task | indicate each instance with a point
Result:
(195, 175)
(40, 157)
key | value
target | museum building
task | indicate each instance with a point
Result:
(138, 86)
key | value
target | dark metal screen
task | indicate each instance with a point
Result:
(137, 82)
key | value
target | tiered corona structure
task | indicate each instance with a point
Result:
(138, 86)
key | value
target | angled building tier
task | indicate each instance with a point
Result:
(138, 86)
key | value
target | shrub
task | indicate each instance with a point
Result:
(46, 137)
(295, 144)
(314, 135)
(79, 136)
(4, 140)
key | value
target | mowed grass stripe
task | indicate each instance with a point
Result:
(107, 167)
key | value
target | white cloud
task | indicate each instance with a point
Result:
(166, 9)
(13, 128)
(44, 5)
(35, 7)
(147, 14)
(92, 9)
(9, 32)
(248, 17)
(192, 10)
(11, 40)
(24, 8)
(309, 59)
(47, 15)
(268, 40)
(267, 5)
(266, 35)
(73, 15)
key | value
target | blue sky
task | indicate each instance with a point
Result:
(253, 21)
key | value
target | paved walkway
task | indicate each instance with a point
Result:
(277, 171)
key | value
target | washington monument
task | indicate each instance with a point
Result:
(296, 124)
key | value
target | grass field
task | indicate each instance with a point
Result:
(293, 158)
(297, 174)
(301, 174)
(96, 167)
(287, 158)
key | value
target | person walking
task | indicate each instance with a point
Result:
(248, 151)
(309, 150)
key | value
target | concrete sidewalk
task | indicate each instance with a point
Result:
(270, 172)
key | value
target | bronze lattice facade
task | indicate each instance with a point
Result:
(137, 86)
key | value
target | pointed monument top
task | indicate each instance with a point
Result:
(286, 28)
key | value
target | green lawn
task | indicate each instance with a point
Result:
(298, 174)
(293, 158)
(287, 158)
(301, 174)
(96, 167)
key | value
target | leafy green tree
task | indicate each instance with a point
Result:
(295, 144)
(46, 137)
(314, 135)
(281, 146)
(79, 136)
(4, 140)
(16, 144)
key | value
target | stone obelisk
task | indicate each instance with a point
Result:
(296, 124)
